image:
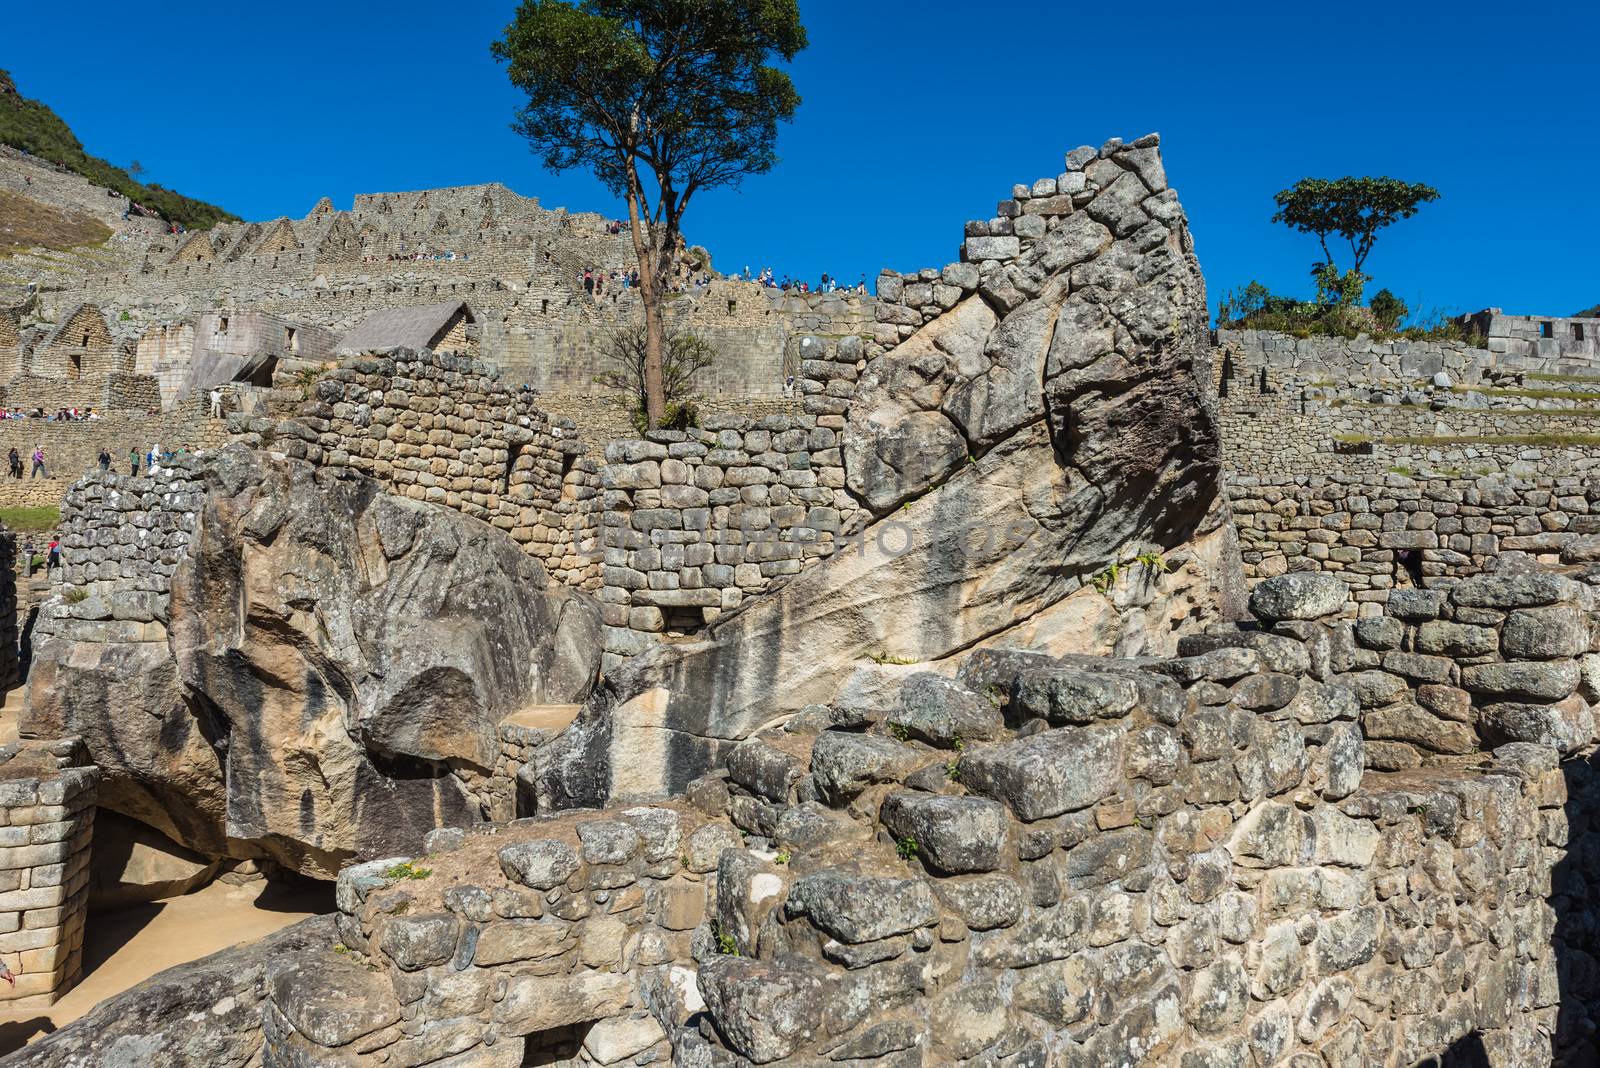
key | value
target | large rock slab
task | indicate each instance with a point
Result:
(336, 665)
(1051, 424)
(205, 1014)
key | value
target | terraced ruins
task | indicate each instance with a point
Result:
(1008, 670)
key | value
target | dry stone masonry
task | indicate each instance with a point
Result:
(927, 720)
(47, 799)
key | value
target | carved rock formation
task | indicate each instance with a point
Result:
(331, 673)
(1052, 423)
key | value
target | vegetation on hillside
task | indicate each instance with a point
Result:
(1384, 316)
(26, 223)
(31, 520)
(31, 126)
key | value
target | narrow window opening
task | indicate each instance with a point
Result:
(1547, 330)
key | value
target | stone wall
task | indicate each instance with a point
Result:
(1550, 343)
(552, 947)
(445, 429)
(696, 522)
(1381, 532)
(1201, 861)
(72, 448)
(1291, 429)
(1495, 659)
(47, 799)
(1245, 353)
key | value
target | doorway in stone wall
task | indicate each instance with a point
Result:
(75, 364)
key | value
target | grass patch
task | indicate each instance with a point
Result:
(1471, 439)
(407, 870)
(31, 520)
(26, 223)
(1538, 394)
(1547, 377)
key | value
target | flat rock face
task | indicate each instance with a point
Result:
(336, 664)
(205, 1014)
(1052, 423)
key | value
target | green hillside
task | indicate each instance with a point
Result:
(33, 127)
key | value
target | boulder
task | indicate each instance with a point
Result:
(336, 664)
(999, 463)
(1298, 595)
(204, 1014)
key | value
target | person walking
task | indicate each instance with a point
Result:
(216, 404)
(152, 458)
(105, 460)
(52, 557)
(133, 462)
(14, 464)
(27, 558)
(38, 462)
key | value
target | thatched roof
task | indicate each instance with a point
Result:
(404, 328)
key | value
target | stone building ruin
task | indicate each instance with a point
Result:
(1052, 682)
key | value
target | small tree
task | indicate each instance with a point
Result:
(1387, 309)
(135, 170)
(684, 356)
(1354, 208)
(660, 99)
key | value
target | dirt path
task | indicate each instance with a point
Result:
(126, 947)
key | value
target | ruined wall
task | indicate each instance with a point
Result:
(445, 429)
(1364, 359)
(47, 798)
(1381, 531)
(1193, 861)
(1538, 342)
(696, 522)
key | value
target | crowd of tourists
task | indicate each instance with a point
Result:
(151, 460)
(60, 415)
(827, 284)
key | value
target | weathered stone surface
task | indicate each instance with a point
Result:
(767, 1011)
(205, 1014)
(861, 908)
(540, 864)
(1514, 591)
(1299, 595)
(955, 835)
(338, 649)
(1545, 633)
(1525, 680)
(135, 863)
(1049, 773)
(935, 710)
(843, 764)
(1564, 725)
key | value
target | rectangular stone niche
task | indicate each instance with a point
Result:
(47, 798)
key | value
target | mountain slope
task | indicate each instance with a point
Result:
(31, 125)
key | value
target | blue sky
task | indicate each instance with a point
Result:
(915, 118)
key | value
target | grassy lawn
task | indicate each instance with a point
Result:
(31, 520)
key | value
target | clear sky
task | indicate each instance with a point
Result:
(915, 118)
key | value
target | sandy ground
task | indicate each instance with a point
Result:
(9, 712)
(128, 946)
